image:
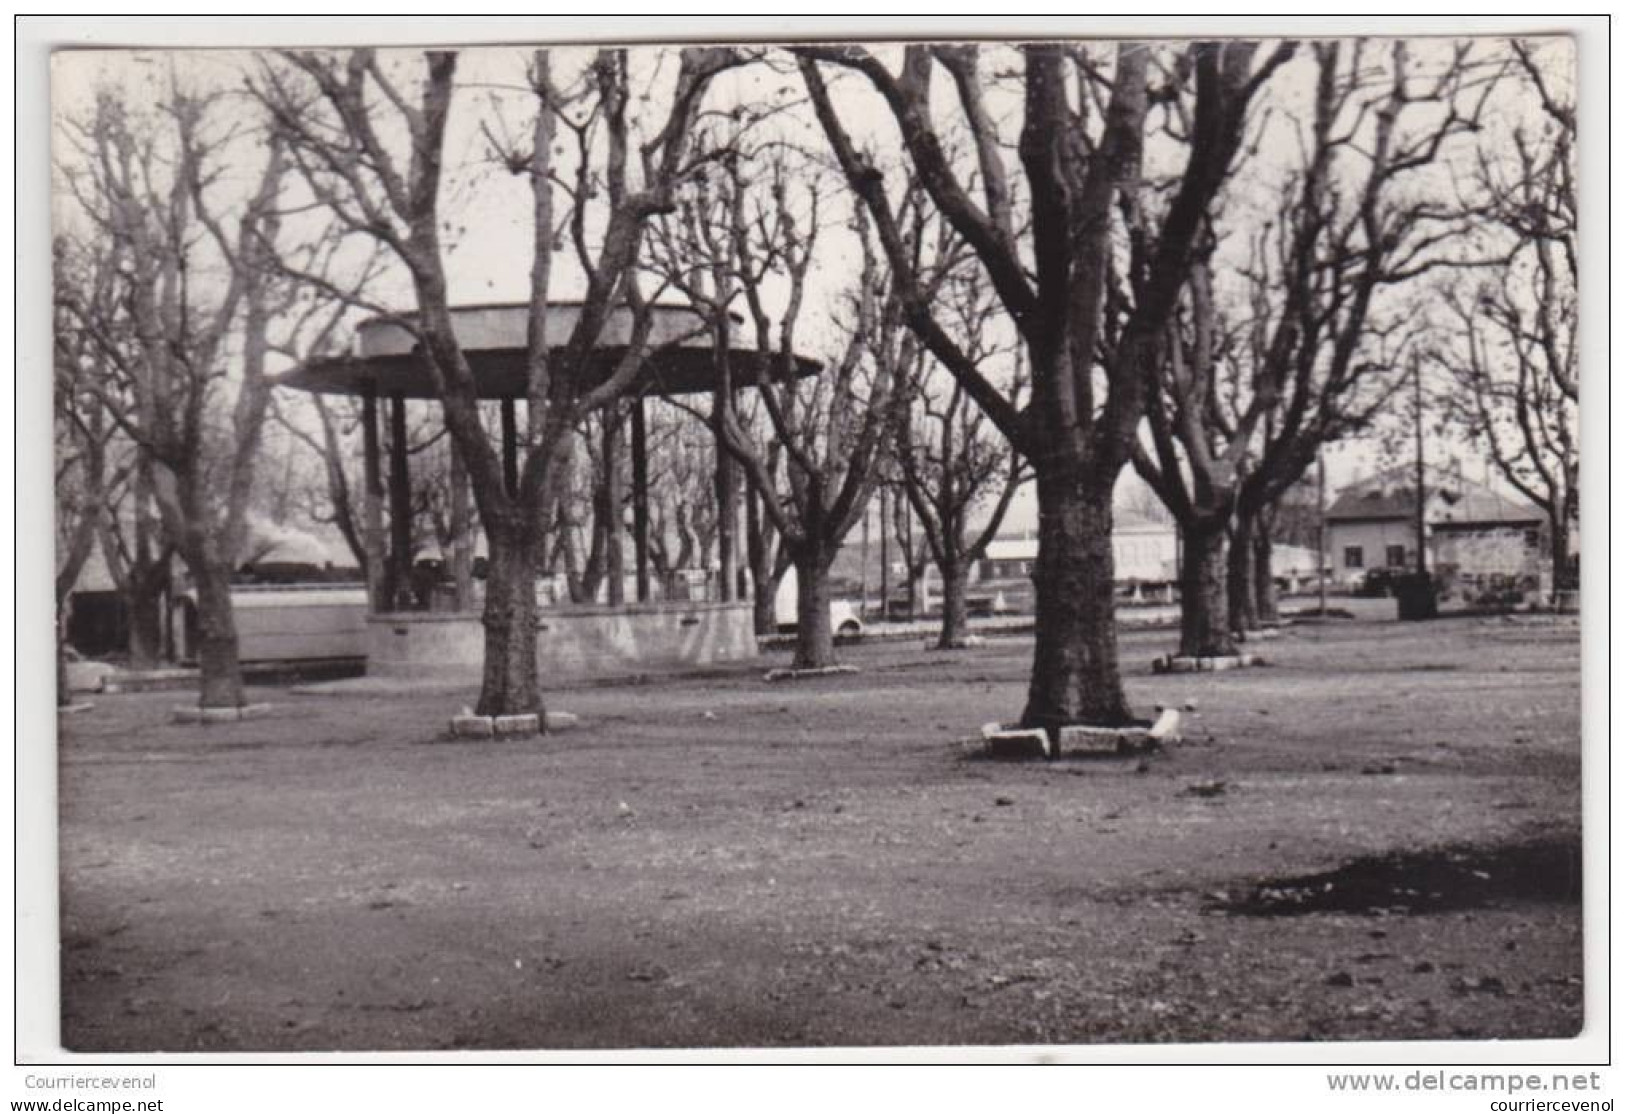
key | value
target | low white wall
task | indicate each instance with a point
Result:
(585, 642)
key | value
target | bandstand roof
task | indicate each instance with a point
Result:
(493, 339)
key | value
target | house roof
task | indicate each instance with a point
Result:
(1452, 501)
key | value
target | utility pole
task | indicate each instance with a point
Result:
(907, 540)
(1320, 454)
(863, 568)
(885, 557)
(1421, 477)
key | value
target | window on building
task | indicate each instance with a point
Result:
(1353, 557)
(1531, 539)
(1396, 556)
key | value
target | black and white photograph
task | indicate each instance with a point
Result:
(969, 548)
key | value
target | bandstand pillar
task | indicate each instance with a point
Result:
(399, 580)
(614, 559)
(462, 534)
(372, 500)
(510, 447)
(640, 496)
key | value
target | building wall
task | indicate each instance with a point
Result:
(1471, 552)
(1374, 540)
(1496, 551)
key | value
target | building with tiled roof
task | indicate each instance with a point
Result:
(1471, 530)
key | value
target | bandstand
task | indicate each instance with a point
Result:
(411, 642)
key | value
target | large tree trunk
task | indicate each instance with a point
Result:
(375, 564)
(955, 584)
(1075, 677)
(764, 613)
(1560, 553)
(815, 641)
(64, 696)
(592, 575)
(1240, 581)
(143, 581)
(885, 557)
(81, 541)
(1265, 599)
(143, 609)
(1564, 511)
(612, 503)
(688, 541)
(727, 496)
(913, 564)
(759, 556)
(725, 476)
(605, 512)
(221, 684)
(509, 686)
(462, 532)
(1204, 617)
(143, 597)
(572, 565)
(916, 593)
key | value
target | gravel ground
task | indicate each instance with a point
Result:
(1372, 838)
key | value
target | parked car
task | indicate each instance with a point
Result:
(844, 619)
(1379, 582)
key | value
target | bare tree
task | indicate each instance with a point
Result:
(198, 295)
(84, 438)
(694, 252)
(950, 462)
(1082, 150)
(825, 434)
(105, 500)
(829, 433)
(682, 476)
(1511, 342)
(913, 551)
(1194, 460)
(1328, 283)
(139, 556)
(333, 109)
(438, 510)
(766, 558)
(80, 477)
(336, 502)
(570, 510)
